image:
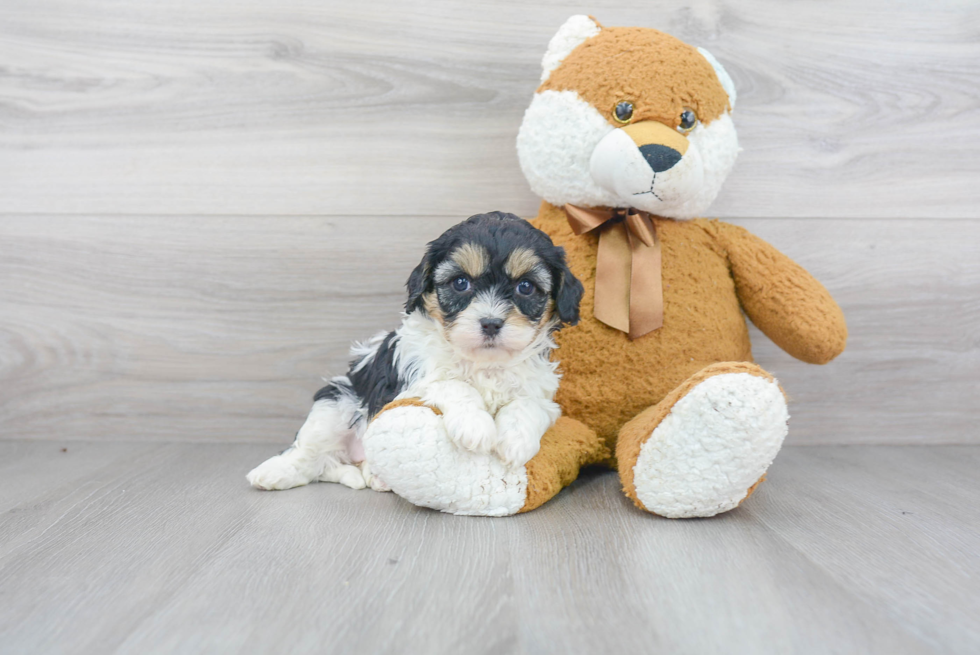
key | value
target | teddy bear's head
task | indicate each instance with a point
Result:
(628, 117)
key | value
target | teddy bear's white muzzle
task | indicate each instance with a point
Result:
(653, 181)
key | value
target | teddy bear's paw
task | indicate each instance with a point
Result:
(471, 429)
(713, 446)
(516, 443)
(410, 449)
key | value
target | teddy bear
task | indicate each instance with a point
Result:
(628, 140)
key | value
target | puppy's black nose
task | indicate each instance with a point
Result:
(491, 326)
(660, 158)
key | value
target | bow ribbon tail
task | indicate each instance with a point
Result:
(646, 294)
(613, 277)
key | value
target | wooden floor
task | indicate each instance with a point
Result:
(161, 547)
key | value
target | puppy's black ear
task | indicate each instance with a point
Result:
(417, 283)
(568, 292)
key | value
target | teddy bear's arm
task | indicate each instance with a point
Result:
(782, 299)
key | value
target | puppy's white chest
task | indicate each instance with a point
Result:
(497, 387)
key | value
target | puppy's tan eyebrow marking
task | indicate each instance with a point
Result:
(473, 259)
(521, 262)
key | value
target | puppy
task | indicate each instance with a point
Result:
(475, 342)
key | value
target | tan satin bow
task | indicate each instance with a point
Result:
(628, 289)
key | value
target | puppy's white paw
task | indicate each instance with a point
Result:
(516, 443)
(373, 481)
(352, 479)
(472, 430)
(377, 484)
(276, 473)
(346, 474)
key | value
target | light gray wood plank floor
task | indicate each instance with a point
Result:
(162, 547)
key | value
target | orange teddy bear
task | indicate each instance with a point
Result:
(628, 140)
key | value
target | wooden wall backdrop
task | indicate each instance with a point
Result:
(202, 203)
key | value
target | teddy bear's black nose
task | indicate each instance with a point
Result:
(660, 158)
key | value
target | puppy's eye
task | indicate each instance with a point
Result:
(461, 284)
(623, 112)
(689, 120)
(525, 288)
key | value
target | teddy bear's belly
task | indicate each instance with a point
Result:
(608, 379)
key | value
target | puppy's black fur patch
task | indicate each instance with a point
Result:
(374, 383)
(377, 382)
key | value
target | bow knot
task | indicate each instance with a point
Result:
(628, 285)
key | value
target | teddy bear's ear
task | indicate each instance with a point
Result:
(723, 76)
(569, 36)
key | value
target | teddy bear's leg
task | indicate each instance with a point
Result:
(706, 446)
(565, 449)
(407, 446)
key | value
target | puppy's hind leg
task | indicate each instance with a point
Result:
(353, 470)
(320, 446)
(348, 475)
(371, 479)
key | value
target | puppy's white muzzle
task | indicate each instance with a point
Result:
(470, 336)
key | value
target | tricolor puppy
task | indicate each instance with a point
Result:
(475, 342)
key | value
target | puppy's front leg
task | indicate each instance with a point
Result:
(520, 425)
(464, 413)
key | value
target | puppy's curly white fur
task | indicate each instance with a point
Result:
(475, 342)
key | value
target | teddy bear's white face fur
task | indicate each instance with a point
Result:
(571, 153)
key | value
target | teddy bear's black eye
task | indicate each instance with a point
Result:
(461, 284)
(688, 120)
(624, 111)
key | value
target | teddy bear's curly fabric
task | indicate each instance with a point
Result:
(711, 271)
(640, 64)
(683, 413)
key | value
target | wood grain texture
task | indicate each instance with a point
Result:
(189, 327)
(221, 328)
(846, 110)
(910, 291)
(164, 548)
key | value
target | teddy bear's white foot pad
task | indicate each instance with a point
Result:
(409, 449)
(715, 443)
